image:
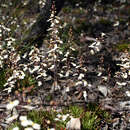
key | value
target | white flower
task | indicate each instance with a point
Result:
(30, 122)
(51, 129)
(15, 128)
(67, 89)
(35, 69)
(85, 95)
(67, 73)
(25, 123)
(92, 52)
(52, 50)
(80, 76)
(52, 67)
(8, 89)
(85, 83)
(73, 49)
(31, 52)
(64, 117)
(36, 126)
(59, 115)
(73, 64)
(67, 54)
(121, 84)
(78, 83)
(21, 118)
(116, 24)
(39, 83)
(128, 93)
(57, 119)
(99, 73)
(5, 56)
(12, 118)
(56, 21)
(64, 59)
(25, 68)
(10, 78)
(52, 25)
(104, 78)
(25, 55)
(22, 75)
(61, 75)
(28, 128)
(96, 46)
(124, 75)
(103, 34)
(18, 58)
(12, 104)
(28, 107)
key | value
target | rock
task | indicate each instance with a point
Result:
(74, 124)
(128, 93)
(125, 105)
(103, 90)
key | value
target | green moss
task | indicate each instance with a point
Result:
(105, 22)
(64, 33)
(67, 9)
(76, 111)
(18, 12)
(42, 117)
(123, 47)
(91, 117)
(48, 97)
(90, 121)
(36, 116)
(2, 78)
(26, 82)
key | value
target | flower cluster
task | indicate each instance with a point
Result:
(11, 108)
(125, 65)
(42, 3)
(37, 62)
(27, 124)
(125, 71)
(95, 47)
(12, 104)
(62, 117)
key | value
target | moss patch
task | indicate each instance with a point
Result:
(123, 47)
(91, 117)
(2, 78)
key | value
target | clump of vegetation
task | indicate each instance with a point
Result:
(105, 22)
(91, 117)
(13, 125)
(2, 78)
(45, 118)
(27, 84)
(90, 121)
(123, 47)
(67, 9)
(76, 111)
